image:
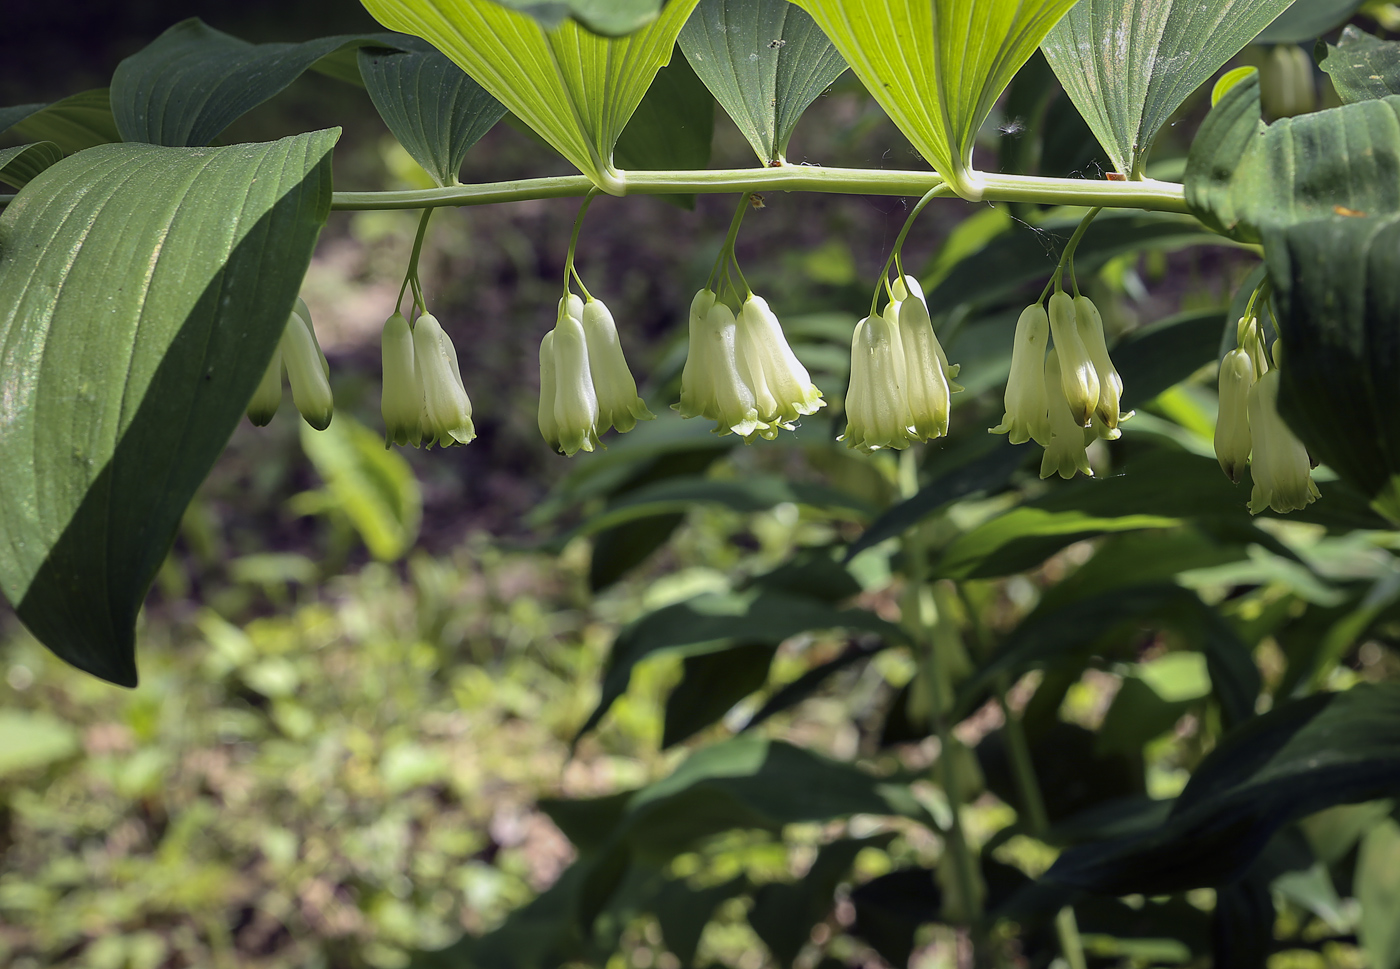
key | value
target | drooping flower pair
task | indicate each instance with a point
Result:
(1062, 397)
(741, 373)
(1249, 429)
(423, 401)
(298, 355)
(585, 384)
(901, 382)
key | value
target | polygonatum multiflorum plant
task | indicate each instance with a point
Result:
(149, 300)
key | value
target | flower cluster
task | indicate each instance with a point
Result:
(901, 381)
(585, 384)
(1062, 397)
(423, 401)
(299, 357)
(1250, 431)
(740, 371)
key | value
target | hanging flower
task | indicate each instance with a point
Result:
(1280, 467)
(783, 390)
(877, 405)
(268, 397)
(1027, 414)
(575, 424)
(618, 403)
(1089, 324)
(1078, 379)
(307, 370)
(1064, 455)
(1232, 437)
(447, 411)
(401, 397)
(711, 384)
(549, 428)
(928, 376)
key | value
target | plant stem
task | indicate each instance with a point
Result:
(573, 245)
(1152, 195)
(411, 275)
(929, 196)
(730, 237)
(924, 615)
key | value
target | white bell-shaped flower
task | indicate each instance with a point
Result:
(1232, 437)
(928, 386)
(447, 411)
(1280, 467)
(1078, 379)
(268, 395)
(783, 390)
(575, 399)
(307, 372)
(618, 403)
(877, 406)
(711, 384)
(549, 427)
(1027, 414)
(401, 396)
(1089, 323)
(1064, 455)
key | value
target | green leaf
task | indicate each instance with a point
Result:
(1307, 20)
(1378, 890)
(192, 82)
(1024, 537)
(713, 623)
(371, 485)
(672, 128)
(33, 740)
(1362, 67)
(1159, 356)
(937, 66)
(1300, 757)
(612, 18)
(622, 547)
(576, 89)
(890, 908)
(434, 110)
(765, 61)
(809, 682)
(19, 165)
(1243, 177)
(133, 342)
(1337, 295)
(711, 683)
(1128, 64)
(683, 913)
(79, 121)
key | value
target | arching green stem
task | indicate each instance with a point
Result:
(569, 270)
(411, 276)
(727, 250)
(929, 196)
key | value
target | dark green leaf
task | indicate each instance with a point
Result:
(1243, 177)
(1362, 66)
(783, 914)
(713, 623)
(683, 913)
(434, 110)
(1242, 927)
(193, 81)
(1128, 64)
(672, 128)
(20, 164)
(1024, 537)
(1308, 20)
(1378, 890)
(711, 683)
(624, 546)
(1301, 757)
(1072, 772)
(764, 61)
(587, 822)
(891, 908)
(811, 572)
(611, 18)
(79, 121)
(139, 337)
(809, 682)
(1161, 355)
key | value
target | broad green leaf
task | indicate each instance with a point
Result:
(434, 110)
(1128, 64)
(79, 121)
(1024, 537)
(714, 623)
(1159, 356)
(1243, 177)
(1378, 889)
(612, 18)
(1307, 20)
(683, 912)
(131, 344)
(891, 908)
(1300, 757)
(1337, 293)
(809, 682)
(937, 66)
(711, 683)
(576, 89)
(192, 82)
(1363, 67)
(672, 128)
(764, 61)
(371, 485)
(33, 740)
(20, 164)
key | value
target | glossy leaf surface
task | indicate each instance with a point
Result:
(765, 61)
(434, 110)
(131, 344)
(20, 164)
(673, 128)
(79, 121)
(1363, 67)
(1128, 64)
(609, 17)
(1307, 20)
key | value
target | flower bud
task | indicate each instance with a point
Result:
(1064, 455)
(268, 397)
(927, 377)
(711, 385)
(575, 400)
(1089, 323)
(1078, 378)
(307, 372)
(401, 397)
(783, 390)
(1027, 414)
(447, 412)
(618, 403)
(877, 407)
(1286, 85)
(1280, 466)
(549, 428)
(1232, 438)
